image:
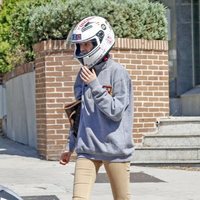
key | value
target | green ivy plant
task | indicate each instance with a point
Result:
(6, 11)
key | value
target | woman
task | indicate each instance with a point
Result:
(105, 129)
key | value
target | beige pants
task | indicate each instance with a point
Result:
(85, 176)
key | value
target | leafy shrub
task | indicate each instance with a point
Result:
(50, 21)
(36, 20)
(6, 11)
(22, 39)
(133, 19)
(15, 43)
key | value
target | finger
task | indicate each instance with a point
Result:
(84, 76)
(86, 70)
(83, 79)
(84, 73)
(93, 71)
(85, 67)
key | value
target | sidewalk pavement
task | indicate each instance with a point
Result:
(23, 172)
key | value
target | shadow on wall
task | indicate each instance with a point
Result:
(4, 125)
(9, 147)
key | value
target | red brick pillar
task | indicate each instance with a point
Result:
(55, 71)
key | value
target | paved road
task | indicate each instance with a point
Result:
(24, 173)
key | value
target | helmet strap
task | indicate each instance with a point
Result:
(105, 58)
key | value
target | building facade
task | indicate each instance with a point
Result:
(184, 51)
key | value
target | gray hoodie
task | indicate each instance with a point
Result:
(106, 121)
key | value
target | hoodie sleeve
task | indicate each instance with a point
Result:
(71, 142)
(113, 105)
(78, 87)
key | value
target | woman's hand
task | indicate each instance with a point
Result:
(87, 76)
(65, 157)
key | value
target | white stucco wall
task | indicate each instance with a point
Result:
(21, 121)
(2, 102)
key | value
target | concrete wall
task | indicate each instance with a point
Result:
(190, 102)
(3, 110)
(1, 114)
(1, 101)
(20, 99)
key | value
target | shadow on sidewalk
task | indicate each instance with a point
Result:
(9, 147)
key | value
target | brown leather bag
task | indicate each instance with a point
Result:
(73, 111)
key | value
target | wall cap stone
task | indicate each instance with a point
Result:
(22, 69)
(120, 43)
(141, 44)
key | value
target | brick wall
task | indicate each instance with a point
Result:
(147, 63)
(20, 70)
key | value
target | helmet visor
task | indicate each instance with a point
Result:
(85, 48)
(68, 41)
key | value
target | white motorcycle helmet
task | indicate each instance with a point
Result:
(97, 30)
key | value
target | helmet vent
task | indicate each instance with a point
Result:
(100, 35)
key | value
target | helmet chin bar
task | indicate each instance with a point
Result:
(96, 55)
(81, 61)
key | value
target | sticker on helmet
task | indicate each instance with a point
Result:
(103, 26)
(76, 36)
(109, 40)
(86, 28)
(85, 21)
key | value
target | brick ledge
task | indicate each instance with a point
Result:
(22, 69)
(120, 43)
(136, 44)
